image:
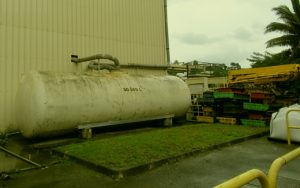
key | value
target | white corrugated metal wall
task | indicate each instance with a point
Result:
(42, 34)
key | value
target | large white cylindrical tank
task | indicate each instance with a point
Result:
(51, 103)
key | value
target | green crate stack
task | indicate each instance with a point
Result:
(230, 95)
(257, 115)
(230, 104)
(222, 95)
(202, 108)
(254, 123)
(255, 106)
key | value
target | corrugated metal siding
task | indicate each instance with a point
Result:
(42, 34)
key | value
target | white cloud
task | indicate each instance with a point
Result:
(219, 31)
(197, 39)
(243, 34)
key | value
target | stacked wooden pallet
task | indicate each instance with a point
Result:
(257, 110)
(231, 106)
(202, 109)
(222, 104)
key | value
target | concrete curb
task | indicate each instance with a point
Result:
(121, 173)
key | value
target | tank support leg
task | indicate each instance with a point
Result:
(86, 133)
(168, 122)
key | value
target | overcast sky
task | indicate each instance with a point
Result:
(220, 31)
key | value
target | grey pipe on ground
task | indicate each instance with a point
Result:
(20, 157)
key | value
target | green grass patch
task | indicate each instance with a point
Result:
(131, 150)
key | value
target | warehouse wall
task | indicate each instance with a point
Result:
(198, 85)
(42, 35)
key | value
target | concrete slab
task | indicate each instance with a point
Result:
(203, 170)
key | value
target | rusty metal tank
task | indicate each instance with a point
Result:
(53, 103)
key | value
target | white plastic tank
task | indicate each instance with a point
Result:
(52, 103)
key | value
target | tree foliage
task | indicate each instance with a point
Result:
(234, 66)
(269, 59)
(218, 70)
(289, 27)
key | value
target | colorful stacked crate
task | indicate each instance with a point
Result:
(228, 121)
(231, 105)
(254, 123)
(207, 99)
(207, 103)
(256, 107)
(205, 119)
(230, 96)
(267, 99)
(260, 97)
(257, 114)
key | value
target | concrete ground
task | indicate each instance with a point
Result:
(204, 170)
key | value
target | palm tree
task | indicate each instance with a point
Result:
(290, 27)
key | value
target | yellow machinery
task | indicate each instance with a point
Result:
(282, 81)
(264, 75)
